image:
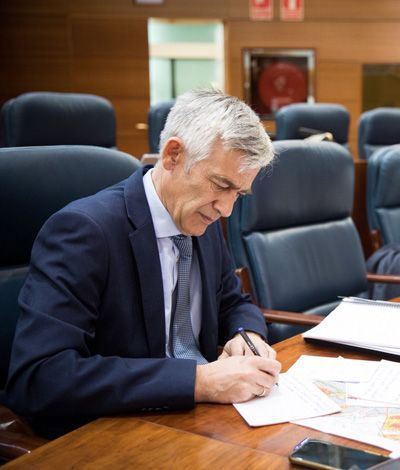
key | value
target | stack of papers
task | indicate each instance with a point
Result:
(370, 400)
(356, 399)
(369, 324)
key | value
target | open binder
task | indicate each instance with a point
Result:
(368, 324)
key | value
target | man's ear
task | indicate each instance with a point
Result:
(172, 153)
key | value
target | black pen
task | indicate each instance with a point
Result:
(249, 342)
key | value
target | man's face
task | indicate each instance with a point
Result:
(208, 192)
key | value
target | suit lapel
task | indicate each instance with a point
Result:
(144, 247)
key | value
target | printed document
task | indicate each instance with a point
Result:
(374, 416)
(337, 369)
(384, 385)
(295, 398)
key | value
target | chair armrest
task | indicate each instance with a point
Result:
(276, 316)
(14, 444)
(244, 276)
(16, 436)
(11, 422)
(293, 318)
(383, 278)
(376, 239)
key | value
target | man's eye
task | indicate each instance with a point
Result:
(218, 187)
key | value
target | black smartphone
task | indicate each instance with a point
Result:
(314, 453)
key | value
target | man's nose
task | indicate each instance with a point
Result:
(224, 204)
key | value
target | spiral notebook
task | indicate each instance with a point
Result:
(368, 324)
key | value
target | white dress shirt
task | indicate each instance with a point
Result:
(169, 254)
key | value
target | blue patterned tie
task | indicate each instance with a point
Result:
(182, 339)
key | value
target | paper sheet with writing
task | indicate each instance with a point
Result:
(337, 369)
(384, 385)
(373, 422)
(295, 398)
(378, 426)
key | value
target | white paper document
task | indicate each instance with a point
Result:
(377, 426)
(369, 418)
(336, 369)
(384, 385)
(350, 401)
(363, 323)
(361, 425)
(295, 398)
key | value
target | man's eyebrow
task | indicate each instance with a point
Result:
(231, 184)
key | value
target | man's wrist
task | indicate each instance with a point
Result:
(200, 386)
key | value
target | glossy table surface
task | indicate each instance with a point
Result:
(208, 436)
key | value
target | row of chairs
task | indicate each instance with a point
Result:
(377, 128)
(46, 118)
(296, 121)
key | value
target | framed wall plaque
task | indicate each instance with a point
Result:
(277, 77)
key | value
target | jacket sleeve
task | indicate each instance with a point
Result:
(236, 310)
(54, 368)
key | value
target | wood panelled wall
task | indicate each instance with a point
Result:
(100, 46)
(77, 46)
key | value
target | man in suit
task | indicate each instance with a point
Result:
(106, 326)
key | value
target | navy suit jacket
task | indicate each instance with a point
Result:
(90, 340)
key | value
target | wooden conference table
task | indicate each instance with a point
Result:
(209, 436)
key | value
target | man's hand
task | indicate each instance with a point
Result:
(238, 347)
(235, 379)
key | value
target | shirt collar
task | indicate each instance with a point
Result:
(163, 224)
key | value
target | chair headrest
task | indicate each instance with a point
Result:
(321, 117)
(322, 172)
(47, 118)
(384, 176)
(35, 182)
(156, 118)
(378, 127)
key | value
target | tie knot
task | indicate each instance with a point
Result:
(184, 245)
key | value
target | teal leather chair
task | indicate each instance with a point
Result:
(48, 118)
(156, 120)
(383, 206)
(377, 129)
(301, 120)
(35, 182)
(295, 233)
(383, 193)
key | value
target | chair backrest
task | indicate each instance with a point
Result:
(156, 119)
(383, 193)
(299, 120)
(378, 128)
(46, 118)
(35, 182)
(295, 232)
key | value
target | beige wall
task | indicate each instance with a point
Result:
(100, 46)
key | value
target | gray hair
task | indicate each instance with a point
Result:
(201, 117)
